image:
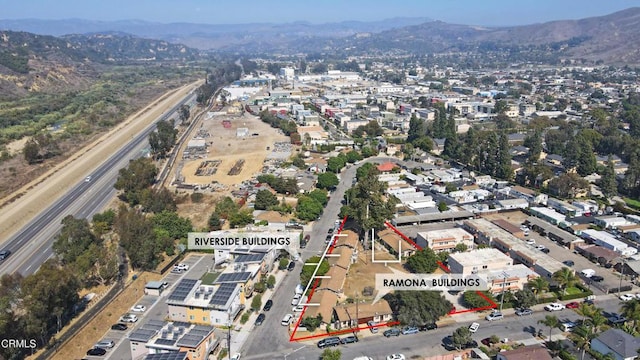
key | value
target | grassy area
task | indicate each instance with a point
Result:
(632, 203)
(573, 291)
(209, 278)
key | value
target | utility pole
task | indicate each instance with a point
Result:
(621, 275)
(229, 335)
(504, 282)
(357, 314)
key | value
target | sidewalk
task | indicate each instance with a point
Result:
(240, 332)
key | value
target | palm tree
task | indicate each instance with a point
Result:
(631, 310)
(585, 310)
(551, 321)
(597, 321)
(565, 278)
(581, 336)
(538, 285)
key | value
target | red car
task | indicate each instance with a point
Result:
(572, 305)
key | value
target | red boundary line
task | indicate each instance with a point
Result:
(492, 305)
(316, 282)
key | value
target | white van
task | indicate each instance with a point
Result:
(362, 358)
(588, 273)
(299, 289)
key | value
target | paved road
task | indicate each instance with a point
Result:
(274, 338)
(430, 343)
(31, 246)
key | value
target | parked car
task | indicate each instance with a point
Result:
(486, 341)
(597, 278)
(236, 356)
(267, 305)
(286, 320)
(139, 308)
(531, 241)
(4, 254)
(524, 312)
(554, 307)
(447, 342)
(391, 332)
(626, 297)
(298, 308)
(569, 262)
(181, 267)
(567, 326)
(260, 319)
(330, 231)
(572, 305)
(431, 326)
(496, 315)
(330, 341)
(587, 273)
(474, 327)
(408, 330)
(105, 344)
(291, 266)
(396, 357)
(371, 324)
(96, 351)
(349, 339)
(540, 247)
(119, 327)
(616, 319)
(546, 250)
(128, 318)
(296, 299)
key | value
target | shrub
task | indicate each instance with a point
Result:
(244, 318)
(197, 197)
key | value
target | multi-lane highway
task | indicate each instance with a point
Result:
(31, 246)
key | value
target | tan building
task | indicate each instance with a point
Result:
(476, 261)
(395, 243)
(158, 337)
(352, 315)
(446, 239)
(510, 279)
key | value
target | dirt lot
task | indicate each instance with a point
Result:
(228, 148)
(514, 217)
(363, 273)
(44, 190)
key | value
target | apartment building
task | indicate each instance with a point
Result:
(477, 261)
(446, 239)
(165, 337)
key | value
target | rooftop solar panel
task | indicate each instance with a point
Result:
(167, 356)
(182, 289)
(190, 340)
(222, 295)
(249, 258)
(233, 277)
(168, 342)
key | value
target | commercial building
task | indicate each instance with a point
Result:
(446, 239)
(512, 278)
(476, 261)
(608, 241)
(549, 215)
(162, 337)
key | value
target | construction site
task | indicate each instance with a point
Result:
(227, 149)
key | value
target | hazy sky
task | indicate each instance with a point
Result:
(471, 12)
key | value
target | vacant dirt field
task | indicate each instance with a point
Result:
(514, 217)
(226, 147)
(44, 190)
(363, 273)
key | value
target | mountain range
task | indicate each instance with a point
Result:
(613, 38)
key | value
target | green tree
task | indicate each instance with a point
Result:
(307, 270)
(31, 151)
(138, 238)
(417, 129)
(265, 200)
(256, 302)
(184, 113)
(581, 337)
(271, 281)
(442, 206)
(503, 170)
(366, 170)
(631, 310)
(74, 239)
(525, 298)
(565, 278)
(319, 195)
(163, 138)
(473, 300)
(298, 161)
(214, 222)
(177, 227)
(353, 156)
(311, 323)
(460, 248)
(422, 262)
(308, 208)
(241, 218)
(327, 180)
(461, 337)
(284, 262)
(418, 307)
(226, 207)
(329, 354)
(335, 164)
(551, 321)
(132, 180)
(608, 183)
(157, 200)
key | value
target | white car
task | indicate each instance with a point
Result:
(474, 327)
(496, 315)
(139, 308)
(396, 357)
(236, 356)
(128, 318)
(531, 241)
(588, 273)
(627, 297)
(296, 299)
(287, 320)
(554, 307)
(298, 308)
(181, 267)
(540, 247)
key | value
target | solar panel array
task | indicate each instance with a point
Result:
(154, 324)
(222, 295)
(233, 277)
(190, 340)
(167, 356)
(249, 258)
(182, 290)
(168, 342)
(142, 335)
(181, 324)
